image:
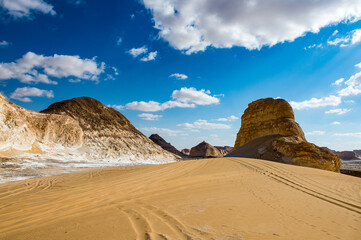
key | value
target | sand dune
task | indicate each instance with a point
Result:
(228, 198)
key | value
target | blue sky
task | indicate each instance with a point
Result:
(187, 69)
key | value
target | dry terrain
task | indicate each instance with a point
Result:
(224, 198)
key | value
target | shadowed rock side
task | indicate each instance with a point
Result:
(204, 150)
(165, 145)
(269, 132)
(80, 128)
(347, 155)
(224, 150)
(107, 133)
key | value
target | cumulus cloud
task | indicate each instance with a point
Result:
(351, 38)
(179, 76)
(23, 94)
(150, 117)
(193, 25)
(338, 82)
(4, 43)
(204, 124)
(135, 52)
(151, 56)
(353, 86)
(183, 98)
(24, 8)
(34, 68)
(117, 107)
(169, 132)
(317, 102)
(228, 119)
(315, 133)
(336, 123)
(192, 95)
(338, 111)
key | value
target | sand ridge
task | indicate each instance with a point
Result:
(224, 198)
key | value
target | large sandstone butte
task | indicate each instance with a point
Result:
(269, 131)
(204, 149)
(81, 128)
(165, 145)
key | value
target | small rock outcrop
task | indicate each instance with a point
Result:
(204, 150)
(165, 145)
(224, 150)
(186, 152)
(269, 131)
(358, 153)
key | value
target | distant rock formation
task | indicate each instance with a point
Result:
(269, 132)
(165, 145)
(347, 155)
(186, 151)
(358, 153)
(80, 128)
(224, 150)
(204, 150)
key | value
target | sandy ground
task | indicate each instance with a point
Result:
(228, 198)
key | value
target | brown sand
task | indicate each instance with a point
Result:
(228, 198)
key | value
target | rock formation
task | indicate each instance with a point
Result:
(224, 150)
(80, 128)
(269, 131)
(358, 153)
(165, 145)
(186, 152)
(204, 150)
(347, 155)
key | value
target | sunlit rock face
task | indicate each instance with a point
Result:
(269, 131)
(205, 150)
(80, 128)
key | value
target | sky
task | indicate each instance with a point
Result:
(187, 69)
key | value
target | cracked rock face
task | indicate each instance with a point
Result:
(269, 131)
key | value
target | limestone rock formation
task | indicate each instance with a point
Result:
(186, 152)
(224, 150)
(358, 153)
(204, 150)
(80, 128)
(347, 155)
(269, 131)
(165, 145)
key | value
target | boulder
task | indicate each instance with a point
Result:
(269, 131)
(204, 150)
(186, 152)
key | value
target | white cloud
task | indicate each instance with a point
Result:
(117, 107)
(315, 133)
(204, 124)
(358, 65)
(150, 117)
(338, 111)
(34, 68)
(119, 41)
(151, 56)
(76, 2)
(356, 134)
(353, 86)
(351, 38)
(314, 46)
(317, 102)
(116, 73)
(135, 52)
(193, 25)
(179, 76)
(336, 123)
(23, 94)
(192, 95)
(24, 8)
(338, 82)
(4, 43)
(169, 132)
(183, 98)
(228, 119)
